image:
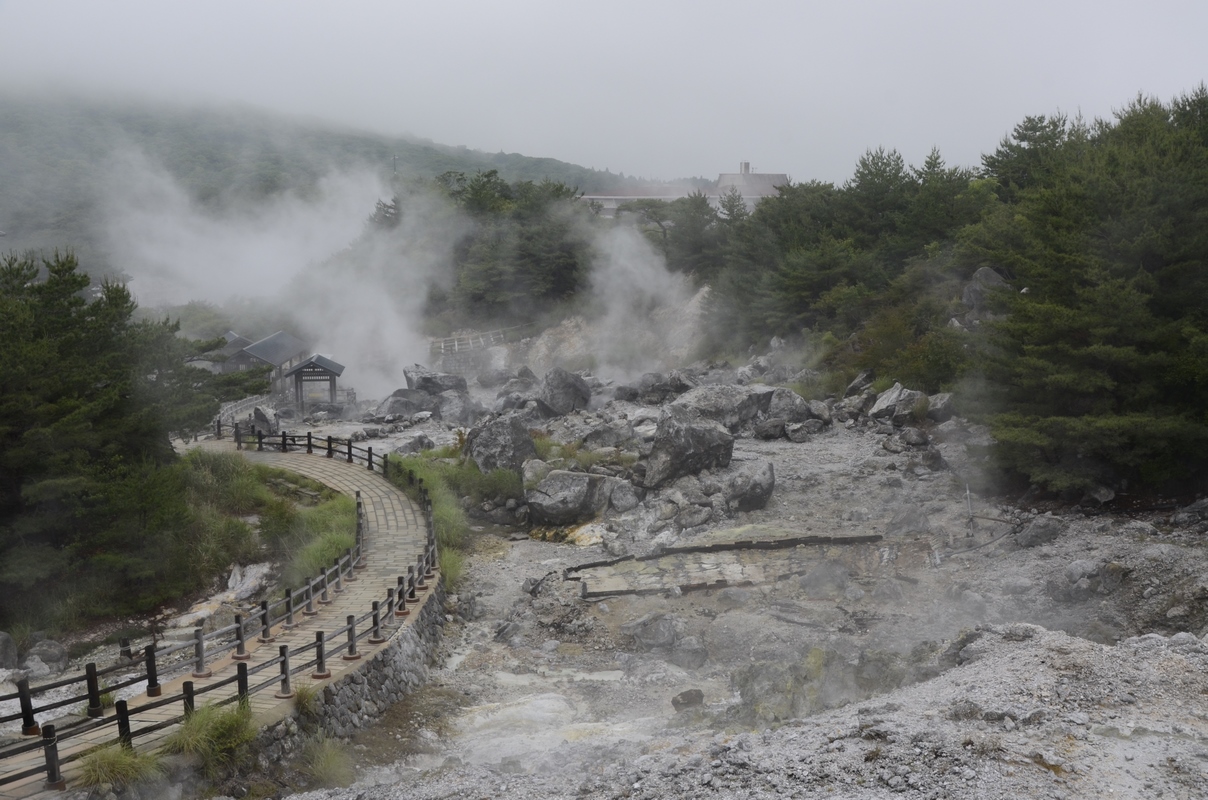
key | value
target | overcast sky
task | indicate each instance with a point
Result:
(658, 89)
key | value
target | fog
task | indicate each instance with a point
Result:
(663, 90)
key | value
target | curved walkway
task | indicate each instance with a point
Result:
(394, 538)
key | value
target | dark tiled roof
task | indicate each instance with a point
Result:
(323, 362)
(276, 349)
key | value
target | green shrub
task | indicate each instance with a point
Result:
(213, 733)
(452, 567)
(118, 766)
(327, 762)
(543, 444)
(306, 699)
(317, 555)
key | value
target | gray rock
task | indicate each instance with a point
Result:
(906, 410)
(689, 653)
(772, 428)
(564, 391)
(980, 286)
(908, 519)
(52, 654)
(749, 485)
(654, 631)
(415, 444)
(789, 406)
(503, 443)
(801, 431)
(458, 408)
(728, 404)
(862, 382)
(828, 579)
(913, 437)
(887, 403)
(406, 402)
(685, 444)
(8, 651)
(1082, 568)
(939, 407)
(624, 497)
(564, 498)
(611, 434)
(819, 411)
(1041, 530)
(656, 388)
(688, 698)
(431, 382)
(490, 378)
(693, 516)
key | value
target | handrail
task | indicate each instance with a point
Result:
(354, 630)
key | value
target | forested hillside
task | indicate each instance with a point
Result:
(54, 153)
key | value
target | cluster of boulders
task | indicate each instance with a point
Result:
(43, 658)
(428, 395)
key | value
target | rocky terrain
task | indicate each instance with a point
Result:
(761, 596)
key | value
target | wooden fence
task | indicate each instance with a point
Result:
(477, 341)
(369, 626)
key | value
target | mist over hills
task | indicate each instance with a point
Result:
(58, 156)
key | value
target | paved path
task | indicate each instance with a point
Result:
(395, 537)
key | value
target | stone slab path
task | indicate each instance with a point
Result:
(394, 537)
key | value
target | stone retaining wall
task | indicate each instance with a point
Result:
(359, 697)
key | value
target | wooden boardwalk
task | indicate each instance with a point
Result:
(395, 537)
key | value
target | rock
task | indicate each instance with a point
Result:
(909, 408)
(689, 653)
(525, 388)
(977, 291)
(611, 434)
(534, 471)
(656, 388)
(457, 408)
(564, 391)
(688, 698)
(772, 428)
(1041, 530)
(860, 384)
(801, 431)
(749, 485)
(502, 443)
(887, 402)
(1082, 568)
(693, 516)
(624, 497)
(416, 444)
(627, 394)
(685, 444)
(819, 411)
(913, 437)
(654, 631)
(34, 668)
(789, 406)
(908, 519)
(490, 378)
(728, 404)
(8, 651)
(433, 383)
(939, 407)
(52, 654)
(406, 402)
(563, 498)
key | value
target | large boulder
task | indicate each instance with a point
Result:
(564, 391)
(8, 651)
(457, 408)
(787, 405)
(502, 443)
(564, 498)
(426, 380)
(51, 653)
(729, 404)
(897, 405)
(749, 485)
(1041, 530)
(940, 407)
(980, 286)
(684, 444)
(656, 388)
(490, 378)
(405, 402)
(611, 434)
(862, 383)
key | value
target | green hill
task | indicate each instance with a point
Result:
(54, 151)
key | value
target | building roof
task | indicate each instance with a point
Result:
(234, 344)
(322, 362)
(276, 349)
(751, 184)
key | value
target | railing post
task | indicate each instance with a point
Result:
(29, 725)
(289, 608)
(411, 584)
(287, 689)
(241, 653)
(419, 573)
(218, 428)
(321, 670)
(369, 460)
(190, 704)
(241, 682)
(323, 598)
(309, 610)
(266, 627)
(50, 745)
(330, 450)
(259, 441)
(284, 447)
(124, 653)
(386, 466)
(401, 596)
(199, 655)
(339, 576)
(389, 605)
(349, 449)
(238, 438)
(153, 687)
(309, 449)
(376, 637)
(123, 725)
(94, 692)
(351, 564)
(351, 654)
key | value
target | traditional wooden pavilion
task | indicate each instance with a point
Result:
(315, 369)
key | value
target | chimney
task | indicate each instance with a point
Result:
(744, 167)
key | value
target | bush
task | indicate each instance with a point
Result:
(452, 567)
(117, 766)
(306, 699)
(213, 733)
(327, 762)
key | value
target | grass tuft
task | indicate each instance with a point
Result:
(117, 766)
(214, 733)
(306, 699)
(328, 762)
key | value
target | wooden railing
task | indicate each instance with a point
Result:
(477, 341)
(372, 625)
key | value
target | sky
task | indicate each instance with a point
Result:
(658, 88)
